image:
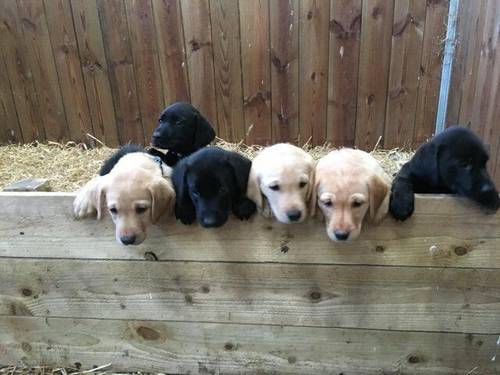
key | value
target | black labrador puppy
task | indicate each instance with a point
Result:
(181, 130)
(453, 162)
(209, 184)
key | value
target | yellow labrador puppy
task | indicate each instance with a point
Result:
(350, 184)
(282, 181)
(136, 193)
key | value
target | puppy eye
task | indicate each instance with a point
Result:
(302, 184)
(195, 194)
(113, 210)
(327, 203)
(140, 210)
(274, 187)
(357, 204)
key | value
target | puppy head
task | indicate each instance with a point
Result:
(284, 175)
(350, 186)
(182, 129)
(461, 159)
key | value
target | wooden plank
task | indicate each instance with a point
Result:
(374, 62)
(39, 52)
(313, 64)
(35, 225)
(19, 72)
(406, 52)
(146, 63)
(255, 62)
(345, 27)
(390, 298)
(200, 57)
(67, 59)
(224, 15)
(123, 84)
(203, 348)
(430, 70)
(10, 131)
(95, 71)
(284, 30)
(170, 38)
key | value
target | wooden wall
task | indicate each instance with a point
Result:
(253, 297)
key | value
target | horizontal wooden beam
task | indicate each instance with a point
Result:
(204, 348)
(443, 232)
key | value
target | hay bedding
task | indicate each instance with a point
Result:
(69, 166)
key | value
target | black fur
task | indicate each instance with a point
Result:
(181, 130)
(209, 184)
(453, 162)
(108, 165)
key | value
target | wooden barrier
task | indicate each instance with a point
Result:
(258, 297)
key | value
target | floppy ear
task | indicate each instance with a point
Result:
(379, 198)
(184, 206)
(253, 188)
(311, 198)
(204, 133)
(162, 195)
(241, 168)
(91, 198)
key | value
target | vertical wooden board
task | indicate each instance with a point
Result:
(376, 30)
(67, 58)
(116, 43)
(225, 19)
(313, 68)
(10, 132)
(40, 57)
(255, 62)
(200, 57)
(284, 30)
(430, 70)
(146, 62)
(170, 37)
(345, 27)
(406, 52)
(95, 70)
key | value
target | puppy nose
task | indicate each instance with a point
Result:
(209, 221)
(294, 214)
(341, 235)
(128, 240)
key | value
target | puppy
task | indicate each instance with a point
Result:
(282, 176)
(350, 184)
(209, 184)
(108, 164)
(453, 162)
(136, 192)
(181, 130)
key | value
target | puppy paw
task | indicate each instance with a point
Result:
(401, 206)
(187, 216)
(244, 209)
(83, 206)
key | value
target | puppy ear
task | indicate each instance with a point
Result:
(91, 198)
(379, 198)
(162, 195)
(253, 188)
(241, 168)
(204, 133)
(311, 197)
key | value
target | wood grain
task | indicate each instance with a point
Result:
(41, 60)
(69, 71)
(204, 348)
(46, 223)
(284, 29)
(11, 131)
(169, 33)
(95, 71)
(374, 58)
(123, 84)
(345, 27)
(313, 68)
(200, 57)
(224, 16)
(146, 63)
(406, 52)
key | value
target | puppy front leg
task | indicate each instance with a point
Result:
(402, 200)
(186, 213)
(244, 208)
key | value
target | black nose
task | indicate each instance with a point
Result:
(128, 240)
(341, 235)
(210, 222)
(294, 215)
